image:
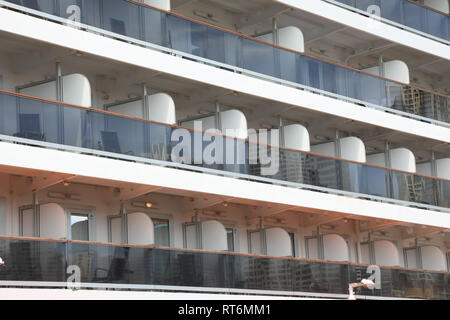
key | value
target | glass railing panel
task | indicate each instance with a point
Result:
(353, 178)
(372, 89)
(320, 277)
(76, 127)
(120, 17)
(325, 172)
(438, 24)
(113, 134)
(375, 182)
(155, 27)
(437, 285)
(257, 273)
(444, 193)
(414, 188)
(36, 120)
(293, 167)
(291, 66)
(414, 16)
(33, 260)
(260, 57)
(391, 10)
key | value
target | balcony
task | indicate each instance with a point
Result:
(55, 125)
(167, 32)
(38, 263)
(405, 13)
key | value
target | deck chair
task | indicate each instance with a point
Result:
(30, 127)
(118, 271)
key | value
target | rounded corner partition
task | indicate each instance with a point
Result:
(214, 236)
(386, 253)
(395, 70)
(351, 148)
(140, 229)
(53, 221)
(296, 137)
(161, 108)
(401, 159)
(335, 248)
(433, 258)
(278, 242)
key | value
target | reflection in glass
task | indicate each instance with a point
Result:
(161, 230)
(79, 225)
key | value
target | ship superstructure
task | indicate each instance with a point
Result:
(281, 148)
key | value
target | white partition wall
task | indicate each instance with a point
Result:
(140, 229)
(289, 37)
(296, 137)
(132, 108)
(433, 259)
(386, 253)
(278, 242)
(335, 248)
(76, 90)
(214, 236)
(401, 159)
(396, 70)
(160, 108)
(352, 149)
(162, 4)
(442, 168)
(53, 221)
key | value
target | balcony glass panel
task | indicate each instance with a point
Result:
(45, 121)
(391, 10)
(39, 261)
(259, 57)
(415, 16)
(409, 14)
(143, 23)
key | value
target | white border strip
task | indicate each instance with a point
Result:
(212, 290)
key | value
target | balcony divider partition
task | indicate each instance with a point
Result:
(142, 24)
(57, 125)
(44, 262)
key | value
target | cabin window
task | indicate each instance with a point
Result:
(79, 227)
(161, 229)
